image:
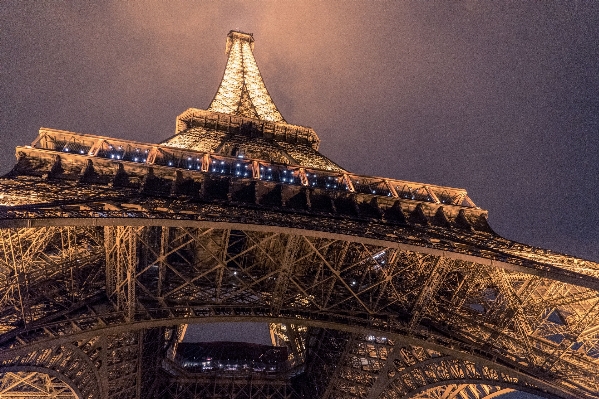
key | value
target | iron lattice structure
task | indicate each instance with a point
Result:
(374, 287)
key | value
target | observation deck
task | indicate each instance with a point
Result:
(372, 287)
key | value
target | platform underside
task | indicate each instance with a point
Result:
(342, 278)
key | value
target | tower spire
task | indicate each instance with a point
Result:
(242, 91)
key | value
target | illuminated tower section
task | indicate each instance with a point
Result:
(373, 287)
(242, 91)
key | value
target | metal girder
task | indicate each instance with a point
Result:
(394, 236)
(464, 391)
(71, 364)
(155, 274)
(285, 272)
(45, 271)
(344, 378)
(121, 266)
(33, 385)
(242, 91)
(324, 349)
(227, 387)
(380, 288)
(454, 377)
(431, 285)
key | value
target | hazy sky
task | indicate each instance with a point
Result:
(500, 98)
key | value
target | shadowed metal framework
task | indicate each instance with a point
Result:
(372, 287)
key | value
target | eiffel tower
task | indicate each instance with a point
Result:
(370, 287)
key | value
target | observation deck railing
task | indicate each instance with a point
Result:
(132, 152)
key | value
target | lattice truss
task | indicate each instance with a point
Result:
(33, 385)
(231, 387)
(369, 366)
(90, 304)
(242, 90)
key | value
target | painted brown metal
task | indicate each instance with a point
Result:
(379, 288)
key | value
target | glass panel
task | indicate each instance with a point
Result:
(280, 174)
(191, 161)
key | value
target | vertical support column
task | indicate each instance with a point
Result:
(348, 183)
(285, 271)
(179, 334)
(206, 163)
(337, 378)
(290, 335)
(140, 365)
(109, 248)
(131, 266)
(226, 239)
(103, 366)
(329, 351)
(436, 273)
(121, 263)
(15, 258)
(164, 243)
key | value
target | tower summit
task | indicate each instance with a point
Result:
(372, 287)
(242, 91)
(243, 121)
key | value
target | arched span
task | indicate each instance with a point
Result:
(325, 227)
(452, 350)
(237, 270)
(505, 385)
(44, 370)
(64, 361)
(464, 391)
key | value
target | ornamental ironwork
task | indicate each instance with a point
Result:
(371, 287)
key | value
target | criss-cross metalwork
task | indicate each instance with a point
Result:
(33, 385)
(374, 287)
(460, 316)
(242, 90)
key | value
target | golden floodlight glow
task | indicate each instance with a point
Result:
(242, 91)
(370, 287)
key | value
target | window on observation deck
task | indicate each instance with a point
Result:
(175, 159)
(230, 167)
(279, 174)
(124, 152)
(327, 181)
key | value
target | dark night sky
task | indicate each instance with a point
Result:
(500, 98)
